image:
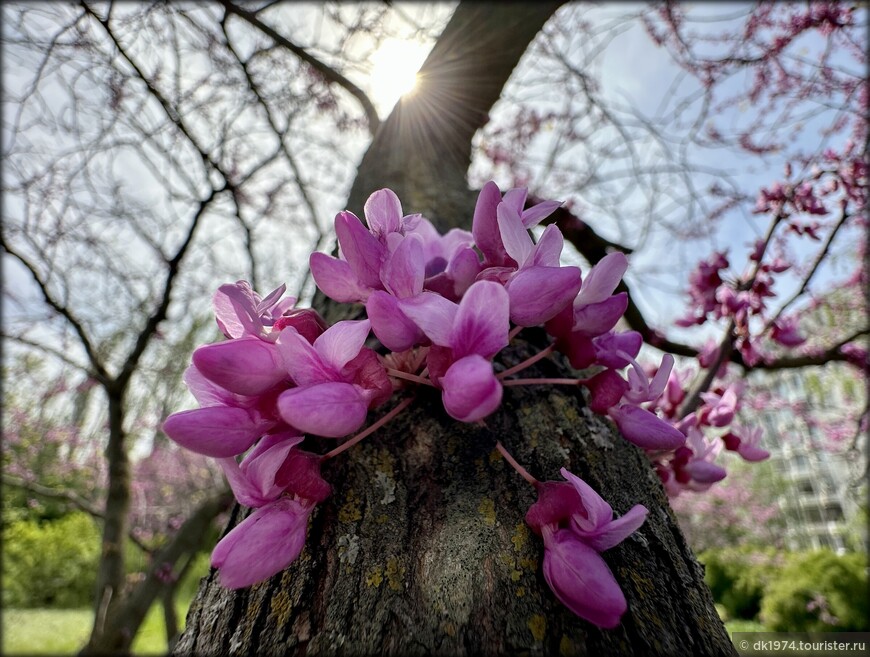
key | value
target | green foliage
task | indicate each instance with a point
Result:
(50, 564)
(818, 592)
(738, 577)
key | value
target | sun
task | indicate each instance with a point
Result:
(394, 72)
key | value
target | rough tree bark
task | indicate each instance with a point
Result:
(422, 549)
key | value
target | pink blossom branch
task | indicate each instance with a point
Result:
(844, 216)
(365, 433)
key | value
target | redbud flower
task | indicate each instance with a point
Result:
(240, 311)
(581, 579)
(263, 544)
(328, 400)
(226, 424)
(748, 447)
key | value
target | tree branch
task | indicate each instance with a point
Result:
(159, 314)
(68, 496)
(328, 73)
(99, 369)
(187, 540)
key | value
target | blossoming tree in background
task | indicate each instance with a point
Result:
(417, 539)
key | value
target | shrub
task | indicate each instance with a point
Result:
(738, 577)
(818, 592)
(50, 564)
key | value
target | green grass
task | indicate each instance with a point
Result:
(64, 631)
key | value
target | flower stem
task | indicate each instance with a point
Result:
(365, 433)
(528, 382)
(516, 466)
(515, 331)
(409, 377)
(528, 362)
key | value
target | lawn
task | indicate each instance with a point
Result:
(64, 631)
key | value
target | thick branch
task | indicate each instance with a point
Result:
(818, 357)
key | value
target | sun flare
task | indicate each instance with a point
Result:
(394, 72)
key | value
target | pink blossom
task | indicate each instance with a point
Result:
(748, 447)
(785, 332)
(330, 399)
(581, 580)
(240, 311)
(263, 544)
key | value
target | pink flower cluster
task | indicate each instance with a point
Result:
(442, 307)
(708, 429)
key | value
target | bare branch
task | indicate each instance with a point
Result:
(159, 314)
(68, 496)
(99, 369)
(329, 73)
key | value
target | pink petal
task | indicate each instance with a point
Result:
(434, 315)
(603, 278)
(606, 390)
(404, 270)
(516, 199)
(262, 545)
(301, 360)
(362, 250)
(595, 510)
(615, 531)
(235, 310)
(471, 390)
(598, 318)
(645, 429)
(246, 366)
(335, 278)
(515, 237)
(463, 267)
(537, 294)
(328, 409)
(557, 500)
(582, 581)
(549, 248)
(607, 346)
(537, 213)
(752, 453)
(389, 324)
(341, 342)
(272, 298)
(660, 380)
(482, 321)
(383, 212)
(705, 472)
(206, 392)
(243, 490)
(484, 225)
(217, 431)
(261, 469)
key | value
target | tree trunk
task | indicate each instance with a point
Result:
(423, 549)
(111, 573)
